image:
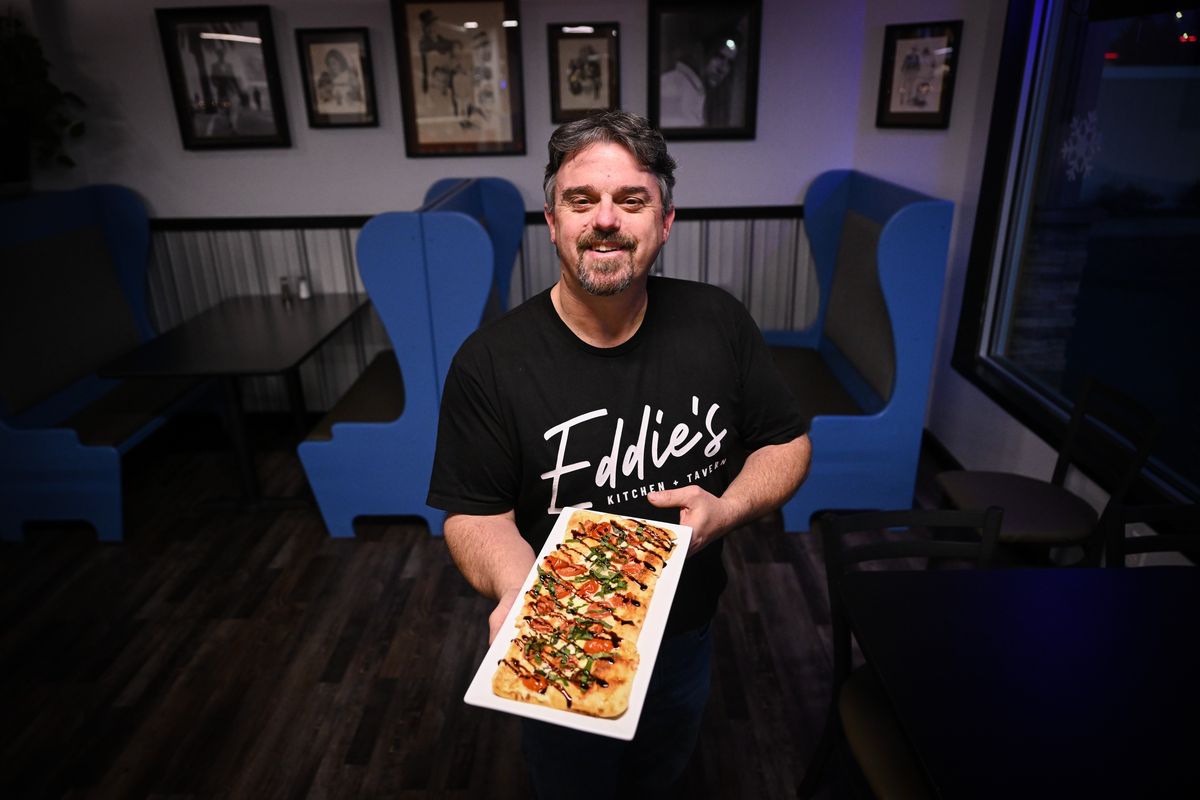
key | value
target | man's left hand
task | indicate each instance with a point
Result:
(709, 516)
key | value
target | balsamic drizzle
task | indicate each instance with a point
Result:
(558, 655)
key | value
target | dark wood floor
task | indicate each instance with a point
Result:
(224, 654)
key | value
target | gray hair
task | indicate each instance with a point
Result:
(631, 131)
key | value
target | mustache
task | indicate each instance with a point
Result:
(619, 240)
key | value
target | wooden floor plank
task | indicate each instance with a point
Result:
(218, 654)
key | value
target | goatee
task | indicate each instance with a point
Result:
(605, 279)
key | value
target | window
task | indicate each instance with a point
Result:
(1086, 253)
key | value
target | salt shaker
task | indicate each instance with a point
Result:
(285, 290)
(302, 290)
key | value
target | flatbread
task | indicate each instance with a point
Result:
(575, 647)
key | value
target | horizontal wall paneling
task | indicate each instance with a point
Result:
(760, 255)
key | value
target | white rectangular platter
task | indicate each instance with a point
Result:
(479, 693)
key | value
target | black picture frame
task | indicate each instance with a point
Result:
(461, 91)
(224, 75)
(703, 66)
(585, 69)
(916, 82)
(339, 84)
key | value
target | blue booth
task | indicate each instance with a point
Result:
(862, 370)
(73, 271)
(429, 274)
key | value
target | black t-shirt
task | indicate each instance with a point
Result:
(534, 419)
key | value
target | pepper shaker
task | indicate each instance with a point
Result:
(285, 290)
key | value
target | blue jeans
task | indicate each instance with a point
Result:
(656, 757)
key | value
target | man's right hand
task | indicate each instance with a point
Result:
(493, 558)
(496, 618)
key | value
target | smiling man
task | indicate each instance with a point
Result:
(614, 228)
(624, 393)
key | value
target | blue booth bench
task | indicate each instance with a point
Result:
(862, 370)
(73, 271)
(430, 274)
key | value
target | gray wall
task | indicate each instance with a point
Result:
(110, 54)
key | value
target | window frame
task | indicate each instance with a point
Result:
(1025, 54)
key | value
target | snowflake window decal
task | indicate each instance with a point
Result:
(1082, 146)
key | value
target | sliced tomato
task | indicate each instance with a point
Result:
(540, 625)
(561, 590)
(599, 610)
(589, 588)
(633, 569)
(570, 570)
(544, 605)
(535, 682)
(624, 555)
(593, 646)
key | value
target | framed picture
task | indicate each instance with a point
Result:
(585, 73)
(917, 80)
(339, 87)
(704, 68)
(224, 76)
(460, 77)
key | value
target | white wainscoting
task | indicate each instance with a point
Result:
(763, 262)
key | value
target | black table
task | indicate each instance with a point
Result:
(1040, 683)
(242, 337)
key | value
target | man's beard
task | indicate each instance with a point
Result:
(607, 278)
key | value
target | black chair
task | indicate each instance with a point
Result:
(860, 714)
(1180, 532)
(1040, 515)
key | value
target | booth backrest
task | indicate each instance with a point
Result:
(427, 274)
(496, 205)
(862, 370)
(72, 268)
(430, 274)
(857, 322)
(879, 250)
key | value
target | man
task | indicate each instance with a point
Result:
(687, 92)
(624, 393)
(228, 88)
(339, 88)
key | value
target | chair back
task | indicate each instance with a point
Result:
(839, 556)
(1179, 531)
(1118, 419)
(899, 541)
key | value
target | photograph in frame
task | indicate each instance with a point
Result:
(703, 81)
(460, 77)
(224, 77)
(584, 69)
(916, 85)
(339, 85)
